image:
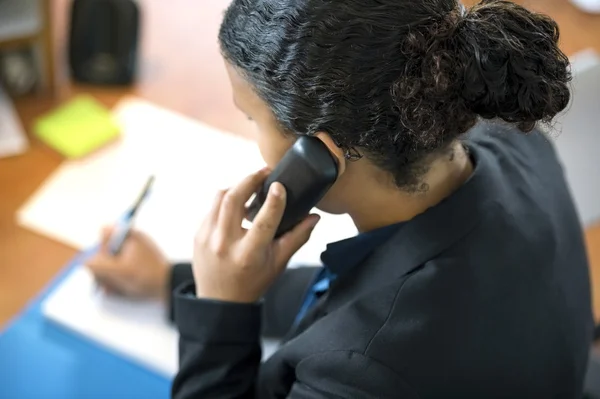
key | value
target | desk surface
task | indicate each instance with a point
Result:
(192, 82)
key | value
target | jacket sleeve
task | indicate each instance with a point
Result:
(220, 354)
(280, 304)
(219, 347)
(181, 274)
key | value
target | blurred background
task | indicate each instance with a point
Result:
(179, 68)
(171, 59)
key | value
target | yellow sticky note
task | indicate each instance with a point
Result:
(77, 128)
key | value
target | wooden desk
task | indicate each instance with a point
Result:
(180, 69)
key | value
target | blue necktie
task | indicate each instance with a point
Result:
(319, 286)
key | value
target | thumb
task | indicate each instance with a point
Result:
(293, 240)
(105, 235)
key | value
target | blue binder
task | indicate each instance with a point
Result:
(39, 359)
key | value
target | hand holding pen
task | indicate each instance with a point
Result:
(128, 262)
(123, 228)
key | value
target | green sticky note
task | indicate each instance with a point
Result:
(77, 128)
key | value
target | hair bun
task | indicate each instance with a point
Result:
(512, 66)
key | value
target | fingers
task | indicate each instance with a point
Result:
(109, 273)
(105, 235)
(101, 266)
(268, 218)
(101, 263)
(213, 215)
(293, 240)
(233, 209)
(110, 285)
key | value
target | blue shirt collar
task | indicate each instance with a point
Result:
(341, 256)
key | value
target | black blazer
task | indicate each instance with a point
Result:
(485, 295)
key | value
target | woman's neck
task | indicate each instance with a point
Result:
(381, 205)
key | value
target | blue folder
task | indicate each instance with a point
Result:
(39, 359)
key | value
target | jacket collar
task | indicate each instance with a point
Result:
(427, 235)
(343, 256)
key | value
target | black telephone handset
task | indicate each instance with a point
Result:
(307, 171)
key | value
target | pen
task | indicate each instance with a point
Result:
(123, 227)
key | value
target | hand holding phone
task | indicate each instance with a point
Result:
(234, 264)
(307, 171)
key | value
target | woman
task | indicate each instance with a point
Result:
(469, 276)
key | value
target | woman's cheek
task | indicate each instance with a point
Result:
(267, 156)
(273, 148)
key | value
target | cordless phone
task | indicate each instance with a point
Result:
(307, 171)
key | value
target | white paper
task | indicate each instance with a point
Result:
(190, 161)
(134, 328)
(12, 136)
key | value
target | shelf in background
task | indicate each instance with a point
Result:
(20, 20)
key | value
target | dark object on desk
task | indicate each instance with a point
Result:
(103, 42)
(306, 171)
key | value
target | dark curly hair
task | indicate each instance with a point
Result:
(397, 79)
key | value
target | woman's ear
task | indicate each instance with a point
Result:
(336, 151)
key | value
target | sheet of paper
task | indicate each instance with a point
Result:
(12, 136)
(135, 329)
(146, 339)
(190, 161)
